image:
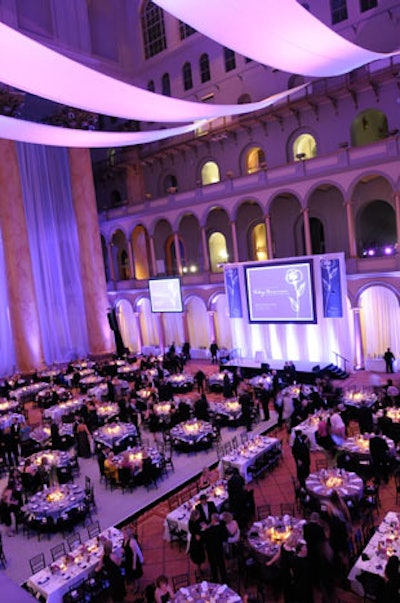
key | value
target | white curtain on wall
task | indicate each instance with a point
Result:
(380, 321)
(54, 249)
(198, 323)
(148, 324)
(173, 328)
(127, 325)
(7, 351)
(223, 323)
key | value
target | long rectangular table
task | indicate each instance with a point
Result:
(373, 559)
(57, 579)
(245, 456)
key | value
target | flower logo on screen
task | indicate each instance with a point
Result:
(295, 278)
(329, 271)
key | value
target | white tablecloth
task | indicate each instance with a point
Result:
(374, 557)
(309, 427)
(54, 586)
(245, 456)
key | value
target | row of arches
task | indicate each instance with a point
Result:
(247, 233)
(206, 319)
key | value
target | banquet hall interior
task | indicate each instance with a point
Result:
(185, 188)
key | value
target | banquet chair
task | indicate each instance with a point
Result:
(37, 563)
(287, 509)
(73, 541)
(76, 594)
(176, 534)
(173, 502)
(3, 560)
(372, 585)
(64, 474)
(321, 464)
(58, 551)
(179, 581)
(263, 511)
(93, 529)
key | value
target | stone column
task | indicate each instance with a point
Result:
(161, 334)
(211, 317)
(234, 242)
(351, 229)
(178, 253)
(307, 233)
(153, 256)
(130, 259)
(268, 235)
(205, 250)
(358, 342)
(20, 280)
(138, 331)
(110, 248)
(94, 285)
(185, 326)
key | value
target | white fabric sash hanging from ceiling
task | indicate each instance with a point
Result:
(277, 33)
(34, 68)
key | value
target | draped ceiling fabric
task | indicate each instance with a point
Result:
(279, 34)
(41, 71)
(54, 248)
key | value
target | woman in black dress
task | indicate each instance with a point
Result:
(110, 563)
(196, 547)
(133, 558)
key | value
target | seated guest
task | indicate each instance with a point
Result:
(183, 411)
(365, 418)
(208, 477)
(42, 477)
(385, 423)
(338, 428)
(164, 591)
(380, 455)
(390, 588)
(201, 409)
(323, 435)
(110, 468)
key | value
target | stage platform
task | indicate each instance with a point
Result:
(306, 372)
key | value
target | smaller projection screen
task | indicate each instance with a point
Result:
(281, 292)
(165, 295)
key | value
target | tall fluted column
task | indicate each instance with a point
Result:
(138, 331)
(358, 342)
(205, 250)
(268, 235)
(92, 270)
(307, 232)
(397, 209)
(110, 249)
(185, 326)
(178, 253)
(351, 229)
(234, 242)
(21, 287)
(161, 334)
(130, 259)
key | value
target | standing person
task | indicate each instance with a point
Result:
(206, 509)
(301, 455)
(320, 556)
(227, 385)
(83, 438)
(133, 558)
(215, 535)
(389, 358)
(111, 564)
(246, 403)
(196, 547)
(214, 351)
(200, 379)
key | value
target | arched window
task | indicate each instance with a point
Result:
(205, 74)
(218, 251)
(170, 184)
(369, 126)
(376, 229)
(187, 76)
(317, 236)
(210, 173)
(170, 255)
(259, 242)
(255, 160)
(304, 147)
(185, 30)
(165, 85)
(229, 59)
(150, 86)
(124, 273)
(338, 11)
(153, 30)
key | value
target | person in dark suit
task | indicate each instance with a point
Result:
(389, 358)
(214, 351)
(301, 455)
(201, 408)
(365, 418)
(55, 436)
(380, 455)
(206, 508)
(214, 537)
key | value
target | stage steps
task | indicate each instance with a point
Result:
(334, 372)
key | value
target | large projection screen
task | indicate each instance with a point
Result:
(165, 295)
(281, 292)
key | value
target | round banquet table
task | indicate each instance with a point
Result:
(392, 413)
(113, 434)
(266, 536)
(55, 413)
(54, 502)
(58, 458)
(359, 444)
(8, 419)
(107, 411)
(206, 592)
(358, 398)
(90, 381)
(346, 483)
(181, 382)
(309, 428)
(133, 458)
(230, 409)
(7, 406)
(192, 433)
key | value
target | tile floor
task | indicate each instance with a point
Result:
(115, 508)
